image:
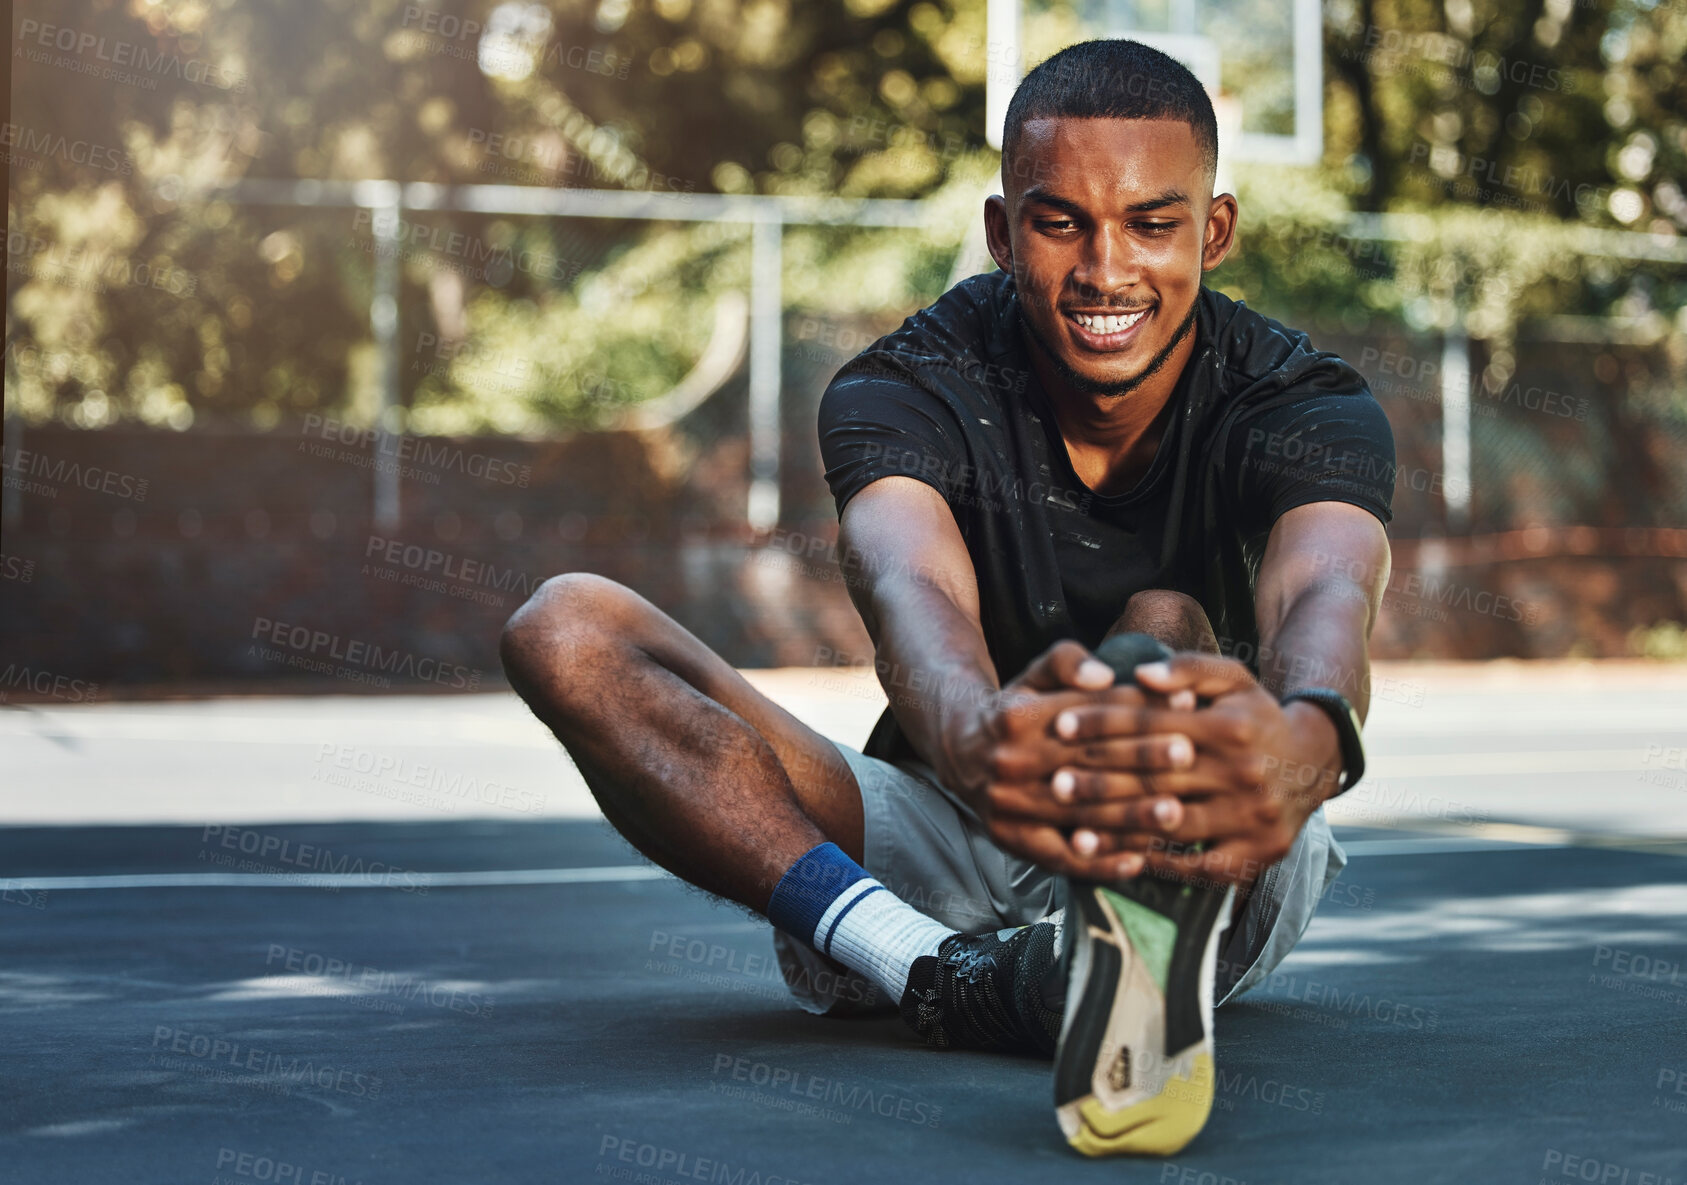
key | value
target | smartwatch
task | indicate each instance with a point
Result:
(1346, 720)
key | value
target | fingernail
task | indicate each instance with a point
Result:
(1085, 842)
(1181, 751)
(1165, 811)
(1066, 724)
(1129, 866)
(1153, 671)
(1094, 671)
(1183, 701)
(1064, 784)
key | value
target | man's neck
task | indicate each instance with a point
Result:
(1111, 439)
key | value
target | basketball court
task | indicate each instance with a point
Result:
(388, 939)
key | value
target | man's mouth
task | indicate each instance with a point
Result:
(1106, 331)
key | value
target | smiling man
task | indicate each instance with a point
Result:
(1048, 844)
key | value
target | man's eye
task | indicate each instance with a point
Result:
(1157, 227)
(1055, 224)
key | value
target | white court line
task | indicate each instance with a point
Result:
(575, 876)
(1432, 847)
(339, 880)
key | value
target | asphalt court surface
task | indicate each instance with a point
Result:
(464, 991)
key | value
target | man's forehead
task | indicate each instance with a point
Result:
(1079, 155)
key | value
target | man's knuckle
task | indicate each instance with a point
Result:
(1000, 764)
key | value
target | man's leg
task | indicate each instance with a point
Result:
(697, 769)
(705, 775)
(1258, 938)
(1178, 621)
(1169, 617)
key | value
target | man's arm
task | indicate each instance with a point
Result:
(912, 579)
(1320, 587)
(1262, 768)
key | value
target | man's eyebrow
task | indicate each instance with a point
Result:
(1046, 197)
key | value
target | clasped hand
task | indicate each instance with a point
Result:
(1199, 773)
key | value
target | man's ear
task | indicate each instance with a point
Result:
(1220, 235)
(996, 232)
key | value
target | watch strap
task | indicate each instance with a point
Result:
(1346, 720)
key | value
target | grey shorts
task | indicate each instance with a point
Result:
(931, 850)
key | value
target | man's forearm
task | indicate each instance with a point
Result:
(1323, 641)
(933, 664)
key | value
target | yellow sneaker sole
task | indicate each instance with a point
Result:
(1160, 1126)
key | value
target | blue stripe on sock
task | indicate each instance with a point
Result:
(809, 887)
(826, 946)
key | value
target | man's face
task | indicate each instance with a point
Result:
(1107, 226)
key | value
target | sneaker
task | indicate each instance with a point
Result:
(1001, 991)
(1133, 1072)
(1134, 1069)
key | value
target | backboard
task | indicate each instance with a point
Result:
(1260, 60)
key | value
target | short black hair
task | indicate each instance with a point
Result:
(1112, 79)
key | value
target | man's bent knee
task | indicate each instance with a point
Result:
(1174, 618)
(564, 611)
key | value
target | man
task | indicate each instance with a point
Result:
(1038, 851)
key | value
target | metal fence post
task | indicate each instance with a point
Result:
(1455, 422)
(386, 199)
(766, 331)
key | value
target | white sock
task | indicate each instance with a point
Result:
(871, 930)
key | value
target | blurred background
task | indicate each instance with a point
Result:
(336, 327)
(332, 333)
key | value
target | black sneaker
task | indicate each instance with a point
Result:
(1134, 1070)
(1002, 991)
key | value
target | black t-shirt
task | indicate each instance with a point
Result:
(1259, 423)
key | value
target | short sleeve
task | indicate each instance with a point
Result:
(877, 421)
(1327, 447)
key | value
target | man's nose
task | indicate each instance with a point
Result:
(1109, 267)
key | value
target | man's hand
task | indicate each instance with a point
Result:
(1259, 773)
(1032, 784)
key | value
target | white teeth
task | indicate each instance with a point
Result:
(1107, 324)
